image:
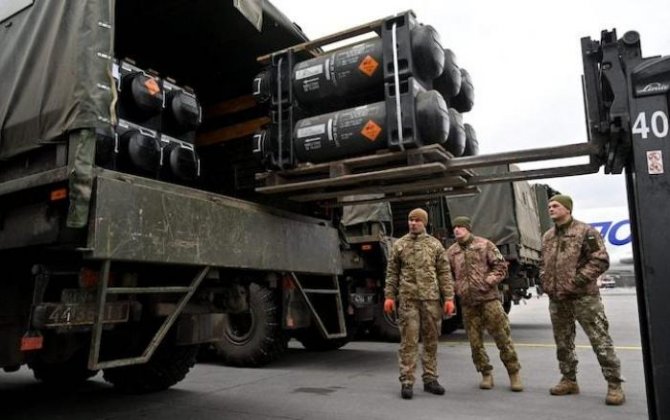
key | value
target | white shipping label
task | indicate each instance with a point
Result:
(313, 130)
(309, 72)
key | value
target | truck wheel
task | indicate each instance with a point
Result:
(386, 326)
(168, 365)
(253, 338)
(70, 372)
(312, 340)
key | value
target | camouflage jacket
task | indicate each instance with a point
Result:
(478, 267)
(573, 257)
(418, 269)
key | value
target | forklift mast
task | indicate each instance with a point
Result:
(626, 100)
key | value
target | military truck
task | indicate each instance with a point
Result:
(119, 250)
(543, 193)
(133, 139)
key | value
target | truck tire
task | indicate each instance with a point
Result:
(168, 365)
(386, 326)
(312, 340)
(70, 372)
(254, 338)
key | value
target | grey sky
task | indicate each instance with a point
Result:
(525, 60)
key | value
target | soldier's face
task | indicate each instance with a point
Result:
(461, 232)
(416, 225)
(557, 212)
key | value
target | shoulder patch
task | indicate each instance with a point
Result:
(498, 254)
(592, 242)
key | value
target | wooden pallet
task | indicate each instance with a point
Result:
(397, 175)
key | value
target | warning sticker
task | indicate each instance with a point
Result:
(152, 86)
(371, 130)
(368, 66)
(655, 162)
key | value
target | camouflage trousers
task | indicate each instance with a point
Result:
(590, 313)
(490, 316)
(418, 318)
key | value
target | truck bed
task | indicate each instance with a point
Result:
(140, 219)
(144, 220)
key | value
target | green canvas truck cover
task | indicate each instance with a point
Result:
(363, 213)
(506, 213)
(55, 62)
(56, 57)
(542, 195)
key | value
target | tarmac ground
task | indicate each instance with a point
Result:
(360, 381)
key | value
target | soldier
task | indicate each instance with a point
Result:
(418, 274)
(573, 256)
(478, 266)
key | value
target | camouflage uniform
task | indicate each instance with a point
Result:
(418, 274)
(478, 267)
(573, 257)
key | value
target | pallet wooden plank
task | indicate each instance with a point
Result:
(231, 106)
(339, 169)
(329, 39)
(353, 163)
(380, 158)
(386, 174)
(438, 153)
(434, 152)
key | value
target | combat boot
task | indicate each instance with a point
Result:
(487, 381)
(565, 387)
(515, 382)
(615, 395)
(406, 392)
(433, 387)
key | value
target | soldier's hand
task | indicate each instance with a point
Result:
(389, 306)
(449, 307)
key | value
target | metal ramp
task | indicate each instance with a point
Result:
(331, 289)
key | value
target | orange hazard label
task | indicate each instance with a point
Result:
(368, 65)
(152, 86)
(371, 130)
